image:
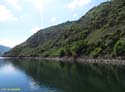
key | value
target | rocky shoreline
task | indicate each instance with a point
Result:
(109, 61)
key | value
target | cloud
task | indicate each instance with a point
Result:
(35, 29)
(77, 3)
(36, 3)
(9, 42)
(53, 19)
(7, 70)
(14, 3)
(6, 14)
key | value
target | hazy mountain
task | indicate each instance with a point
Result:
(100, 32)
(3, 49)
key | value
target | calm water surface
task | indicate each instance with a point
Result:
(50, 76)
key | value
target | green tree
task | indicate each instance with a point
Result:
(119, 48)
(96, 52)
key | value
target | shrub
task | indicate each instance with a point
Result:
(78, 48)
(61, 52)
(119, 48)
(96, 52)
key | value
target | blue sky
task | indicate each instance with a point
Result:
(19, 19)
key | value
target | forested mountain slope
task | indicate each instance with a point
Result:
(100, 32)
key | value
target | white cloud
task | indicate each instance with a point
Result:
(24, 16)
(6, 14)
(36, 3)
(53, 19)
(7, 69)
(35, 29)
(14, 3)
(77, 3)
(9, 42)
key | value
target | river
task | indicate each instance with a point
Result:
(17, 75)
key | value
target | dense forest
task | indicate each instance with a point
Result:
(99, 33)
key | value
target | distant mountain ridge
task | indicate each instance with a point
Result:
(100, 32)
(3, 49)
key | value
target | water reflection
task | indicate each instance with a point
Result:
(49, 76)
(13, 76)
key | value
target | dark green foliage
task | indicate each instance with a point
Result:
(61, 52)
(78, 48)
(96, 52)
(98, 33)
(119, 48)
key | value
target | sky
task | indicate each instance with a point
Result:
(19, 19)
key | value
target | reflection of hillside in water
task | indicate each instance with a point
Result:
(75, 77)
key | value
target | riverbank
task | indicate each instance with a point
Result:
(109, 61)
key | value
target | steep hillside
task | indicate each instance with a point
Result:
(39, 40)
(3, 49)
(101, 32)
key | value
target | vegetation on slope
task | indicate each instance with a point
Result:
(101, 32)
